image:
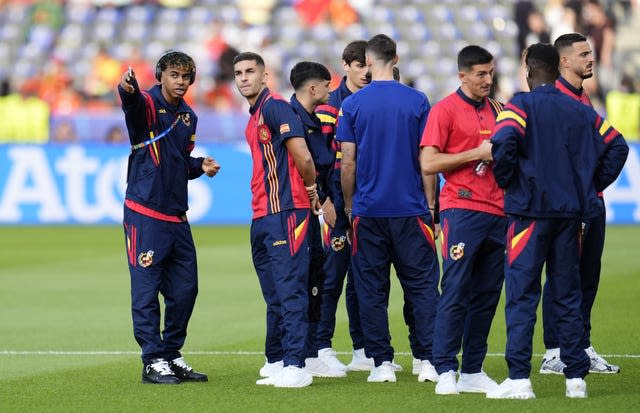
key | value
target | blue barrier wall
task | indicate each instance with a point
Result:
(85, 184)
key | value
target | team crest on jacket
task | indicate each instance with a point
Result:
(186, 118)
(457, 251)
(264, 135)
(145, 259)
(337, 243)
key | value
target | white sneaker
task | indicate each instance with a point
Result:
(576, 388)
(293, 376)
(598, 364)
(382, 373)
(318, 368)
(513, 389)
(360, 362)
(416, 366)
(476, 383)
(328, 355)
(271, 369)
(396, 367)
(427, 372)
(551, 363)
(447, 383)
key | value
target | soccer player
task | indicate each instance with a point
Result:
(284, 189)
(310, 81)
(385, 198)
(576, 65)
(552, 155)
(473, 224)
(336, 225)
(160, 249)
(407, 310)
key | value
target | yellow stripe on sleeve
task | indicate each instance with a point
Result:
(324, 118)
(507, 114)
(605, 127)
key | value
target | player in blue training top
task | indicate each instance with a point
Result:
(385, 197)
(160, 249)
(552, 155)
(283, 189)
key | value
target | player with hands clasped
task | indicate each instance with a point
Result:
(473, 224)
(160, 248)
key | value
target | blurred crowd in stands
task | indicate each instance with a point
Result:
(60, 59)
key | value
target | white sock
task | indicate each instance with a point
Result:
(552, 352)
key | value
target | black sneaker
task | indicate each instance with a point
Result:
(159, 372)
(184, 372)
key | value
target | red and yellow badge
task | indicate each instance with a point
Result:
(337, 243)
(145, 259)
(284, 128)
(264, 134)
(457, 251)
(186, 118)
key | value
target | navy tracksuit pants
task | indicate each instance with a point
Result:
(162, 260)
(473, 274)
(593, 233)
(280, 252)
(338, 266)
(407, 243)
(530, 244)
(316, 285)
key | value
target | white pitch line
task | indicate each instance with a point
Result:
(214, 353)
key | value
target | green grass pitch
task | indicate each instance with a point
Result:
(66, 342)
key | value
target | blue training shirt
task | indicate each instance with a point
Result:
(385, 120)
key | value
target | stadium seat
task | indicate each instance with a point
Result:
(429, 33)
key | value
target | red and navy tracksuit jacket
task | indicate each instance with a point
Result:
(328, 115)
(596, 151)
(158, 173)
(276, 184)
(320, 148)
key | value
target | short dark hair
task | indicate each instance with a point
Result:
(396, 73)
(473, 55)
(355, 52)
(303, 72)
(567, 40)
(543, 58)
(249, 56)
(383, 47)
